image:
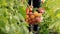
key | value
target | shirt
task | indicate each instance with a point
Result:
(36, 3)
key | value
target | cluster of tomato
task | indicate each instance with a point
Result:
(34, 17)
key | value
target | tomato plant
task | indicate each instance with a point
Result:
(51, 20)
(14, 12)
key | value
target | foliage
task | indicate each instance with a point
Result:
(51, 17)
(12, 14)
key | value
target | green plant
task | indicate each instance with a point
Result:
(51, 17)
(12, 17)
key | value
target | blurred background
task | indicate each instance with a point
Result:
(13, 13)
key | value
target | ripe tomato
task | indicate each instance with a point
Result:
(41, 10)
(27, 16)
(32, 16)
(36, 14)
(38, 19)
(30, 13)
(27, 10)
(30, 8)
(29, 21)
(33, 20)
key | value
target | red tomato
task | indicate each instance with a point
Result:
(30, 13)
(29, 21)
(27, 11)
(41, 10)
(38, 19)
